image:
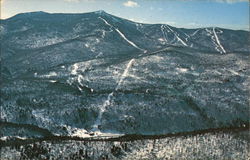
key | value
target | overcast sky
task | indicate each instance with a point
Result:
(232, 14)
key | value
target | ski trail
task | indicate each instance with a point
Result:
(178, 38)
(101, 111)
(130, 42)
(195, 32)
(215, 40)
(107, 102)
(218, 41)
(109, 98)
(163, 33)
(122, 35)
(187, 36)
(125, 73)
(105, 21)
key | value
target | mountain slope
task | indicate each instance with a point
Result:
(73, 74)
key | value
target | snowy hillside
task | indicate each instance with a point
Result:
(96, 74)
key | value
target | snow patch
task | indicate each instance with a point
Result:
(233, 72)
(51, 74)
(80, 133)
(52, 81)
(183, 70)
(161, 39)
(74, 69)
(86, 45)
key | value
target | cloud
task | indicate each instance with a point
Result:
(131, 4)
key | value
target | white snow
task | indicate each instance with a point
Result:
(163, 33)
(3, 115)
(215, 40)
(233, 72)
(186, 34)
(107, 102)
(122, 35)
(86, 45)
(99, 54)
(130, 42)
(218, 41)
(161, 39)
(81, 133)
(125, 73)
(52, 81)
(5, 138)
(74, 69)
(208, 31)
(41, 115)
(35, 41)
(105, 21)
(178, 38)
(97, 40)
(181, 40)
(208, 81)
(101, 111)
(195, 32)
(183, 70)
(51, 74)
(105, 135)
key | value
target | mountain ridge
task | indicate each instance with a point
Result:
(103, 11)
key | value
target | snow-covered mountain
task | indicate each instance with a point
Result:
(95, 73)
